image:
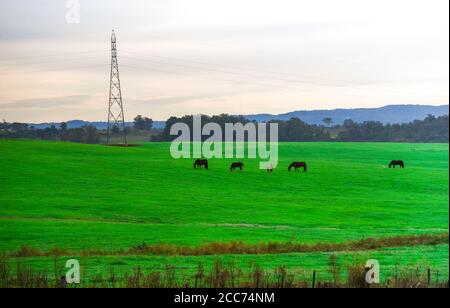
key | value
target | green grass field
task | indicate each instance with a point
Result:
(75, 197)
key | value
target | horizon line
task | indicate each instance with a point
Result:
(258, 114)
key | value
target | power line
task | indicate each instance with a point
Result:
(287, 74)
(51, 70)
(223, 66)
(49, 61)
(254, 83)
(239, 68)
(257, 76)
(206, 69)
(52, 55)
(258, 52)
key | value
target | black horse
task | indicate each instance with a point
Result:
(199, 163)
(297, 165)
(397, 163)
(235, 166)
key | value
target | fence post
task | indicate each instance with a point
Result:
(437, 279)
(314, 280)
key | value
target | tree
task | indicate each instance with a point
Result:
(115, 130)
(90, 134)
(142, 123)
(148, 124)
(328, 121)
(139, 123)
(63, 128)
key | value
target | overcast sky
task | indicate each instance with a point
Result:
(181, 57)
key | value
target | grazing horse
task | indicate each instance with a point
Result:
(395, 163)
(270, 168)
(297, 165)
(199, 163)
(234, 166)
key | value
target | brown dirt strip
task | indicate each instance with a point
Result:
(237, 248)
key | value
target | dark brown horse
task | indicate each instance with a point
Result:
(235, 166)
(397, 163)
(297, 165)
(199, 163)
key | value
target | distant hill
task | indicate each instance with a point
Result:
(388, 114)
(98, 125)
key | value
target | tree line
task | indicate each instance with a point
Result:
(431, 129)
(86, 134)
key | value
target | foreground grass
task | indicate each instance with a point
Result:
(405, 265)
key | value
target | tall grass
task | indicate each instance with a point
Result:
(245, 248)
(218, 276)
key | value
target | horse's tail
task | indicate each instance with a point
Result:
(306, 167)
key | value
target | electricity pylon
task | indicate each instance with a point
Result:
(116, 117)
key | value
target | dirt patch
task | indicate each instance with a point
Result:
(236, 248)
(122, 145)
(253, 226)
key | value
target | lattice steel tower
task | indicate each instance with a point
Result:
(116, 117)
